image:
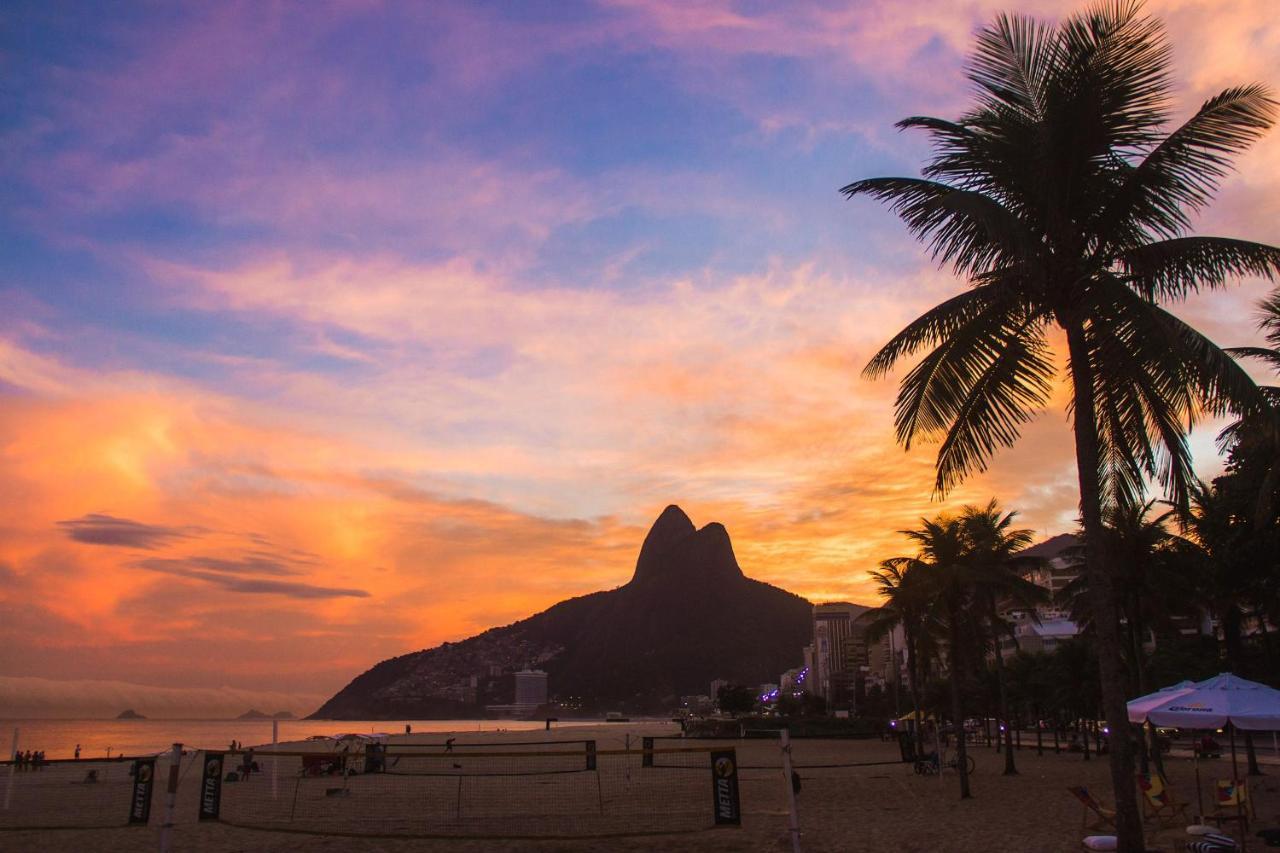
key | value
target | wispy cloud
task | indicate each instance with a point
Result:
(229, 575)
(102, 529)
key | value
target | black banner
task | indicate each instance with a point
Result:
(724, 782)
(144, 777)
(591, 755)
(646, 760)
(211, 786)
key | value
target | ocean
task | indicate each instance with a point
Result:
(100, 738)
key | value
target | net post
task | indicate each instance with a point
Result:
(13, 764)
(937, 745)
(171, 797)
(793, 821)
(275, 760)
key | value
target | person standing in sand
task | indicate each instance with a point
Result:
(77, 752)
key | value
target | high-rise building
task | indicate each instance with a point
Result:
(832, 632)
(531, 687)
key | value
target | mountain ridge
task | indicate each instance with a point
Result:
(687, 616)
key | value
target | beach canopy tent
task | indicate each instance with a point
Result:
(906, 718)
(1211, 704)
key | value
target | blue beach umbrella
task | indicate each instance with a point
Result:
(1211, 704)
(1214, 703)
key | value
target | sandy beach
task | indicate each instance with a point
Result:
(878, 807)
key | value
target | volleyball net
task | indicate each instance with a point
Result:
(91, 793)
(496, 790)
(810, 757)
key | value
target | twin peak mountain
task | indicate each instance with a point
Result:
(687, 616)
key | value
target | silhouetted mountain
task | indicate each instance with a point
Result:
(687, 616)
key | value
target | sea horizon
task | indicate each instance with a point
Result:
(106, 737)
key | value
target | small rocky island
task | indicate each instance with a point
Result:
(255, 714)
(129, 714)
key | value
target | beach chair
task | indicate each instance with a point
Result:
(1232, 803)
(1104, 818)
(1212, 842)
(1159, 803)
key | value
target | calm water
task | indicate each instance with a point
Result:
(58, 738)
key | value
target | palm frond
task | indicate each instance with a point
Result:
(1012, 387)
(934, 392)
(1183, 172)
(1171, 269)
(1113, 79)
(938, 324)
(964, 228)
(1014, 57)
(1155, 376)
(1270, 356)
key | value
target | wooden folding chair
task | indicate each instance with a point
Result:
(1159, 803)
(1233, 803)
(1104, 818)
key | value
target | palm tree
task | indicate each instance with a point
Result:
(1155, 583)
(1155, 588)
(992, 548)
(1066, 206)
(1258, 436)
(905, 604)
(942, 560)
(1235, 570)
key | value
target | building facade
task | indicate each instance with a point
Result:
(531, 688)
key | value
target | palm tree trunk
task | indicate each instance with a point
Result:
(1136, 638)
(1009, 768)
(1157, 758)
(1102, 596)
(913, 672)
(957, 710)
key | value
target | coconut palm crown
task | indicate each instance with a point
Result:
(1066, 204)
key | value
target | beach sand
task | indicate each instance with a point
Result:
(875, 808)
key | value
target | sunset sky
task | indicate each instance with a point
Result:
(330, 331)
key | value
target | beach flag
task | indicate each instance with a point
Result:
(144, 776)
(211, 786)
(724, 781)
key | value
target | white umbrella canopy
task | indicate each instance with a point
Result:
(1143, 705)
(1211, 704)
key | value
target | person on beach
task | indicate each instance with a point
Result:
(448, 744)
(77, 752)
(17, 761)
